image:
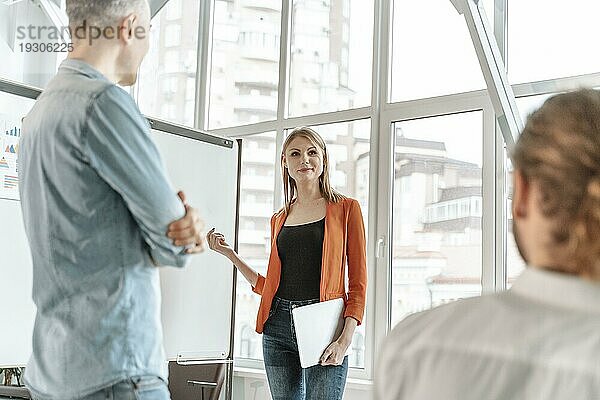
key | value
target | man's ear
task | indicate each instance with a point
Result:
(127, 28)
(521, 193)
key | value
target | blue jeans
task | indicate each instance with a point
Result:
(137, 388)
(287, 379)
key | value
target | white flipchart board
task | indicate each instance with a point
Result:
(197, 302)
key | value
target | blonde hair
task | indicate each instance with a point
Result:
(290, 190)
(559, 149)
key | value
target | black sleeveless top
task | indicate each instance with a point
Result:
(300, 249)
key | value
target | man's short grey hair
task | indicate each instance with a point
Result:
(101, 13)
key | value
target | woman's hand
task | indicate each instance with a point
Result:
(334, 353)
(216, 241)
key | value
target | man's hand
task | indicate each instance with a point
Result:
(187, 231)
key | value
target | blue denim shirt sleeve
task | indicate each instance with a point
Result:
(118, 146)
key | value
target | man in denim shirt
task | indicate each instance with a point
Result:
(98, 211)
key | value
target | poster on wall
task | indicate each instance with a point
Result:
(10, 134)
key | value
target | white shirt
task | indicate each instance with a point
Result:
(539, 340)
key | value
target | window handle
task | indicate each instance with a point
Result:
(379, 247)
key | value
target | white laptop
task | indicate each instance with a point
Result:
(317, 325)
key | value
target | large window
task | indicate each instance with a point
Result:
(431, 135)
(432, 53)
(547, 39)
(256, 208)
(420, 158)
(167, 81)
(331, 55)
(437, 212)
(20, 60)
(245, 62)
(348, 147)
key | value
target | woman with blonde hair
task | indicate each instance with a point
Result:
(314, 238)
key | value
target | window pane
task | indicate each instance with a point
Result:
(432, 52)
(167, 82)
(437, 212)
(256, 209)
(23, 25)
(348, 147)
(331, 55)
(527, 105)
(548, 40)
(245, 62)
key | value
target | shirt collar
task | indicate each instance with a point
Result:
(558, 289)
(70, 65)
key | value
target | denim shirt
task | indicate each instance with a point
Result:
(96, 204)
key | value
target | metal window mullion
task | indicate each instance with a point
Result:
(246, 130)
(284, 59)
(556, 85)
(501, 273)
(372, 234)
(500, 264)
(203, 64)
(458, 100)
(501, 27)
(278, 183)
(489, 231)
(492, 66)
(288, 123)
(329, 117)
(434, 106)
(385, 177)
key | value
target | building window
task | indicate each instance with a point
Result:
(173, 35)
(327, 57)
(173, 10)
(169, 54)
(434, 260)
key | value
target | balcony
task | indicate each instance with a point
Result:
(272, 5)
(258, 155)
(252, 236)
(257, 43)
(262, 183)
(255, 52)
(258, 77)
(260, 210)
(255, 103)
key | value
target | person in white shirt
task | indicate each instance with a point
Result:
(541, 338)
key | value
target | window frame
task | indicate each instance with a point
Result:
(383, 115)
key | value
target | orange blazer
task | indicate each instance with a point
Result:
(344, 243)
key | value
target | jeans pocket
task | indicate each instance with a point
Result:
(150, 388)
(273, 309)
